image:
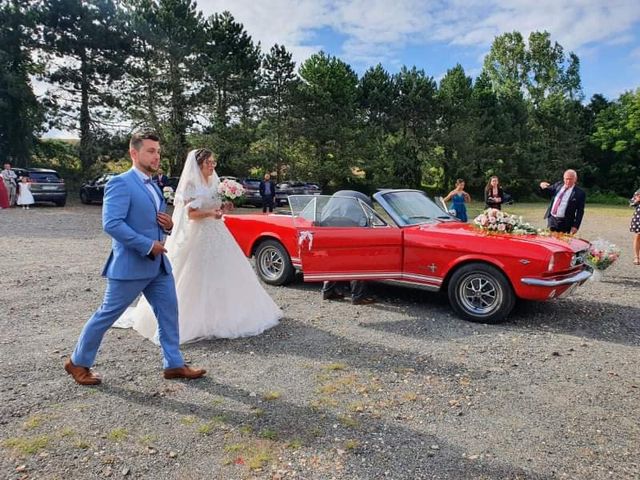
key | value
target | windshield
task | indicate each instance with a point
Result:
(334, 211)
(44, 177)
(411, 207)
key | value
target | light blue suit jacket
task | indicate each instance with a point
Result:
(129, 217)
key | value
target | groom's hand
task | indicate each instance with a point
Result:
(164, 220)
(157, 249)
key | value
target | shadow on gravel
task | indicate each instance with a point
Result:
(382, 446)
(306, 341)
(589, 319)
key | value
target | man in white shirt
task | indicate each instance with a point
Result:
(566, 209)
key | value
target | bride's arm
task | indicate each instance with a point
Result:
(200, 213)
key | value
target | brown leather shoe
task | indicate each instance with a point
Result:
(184, 372)
(363, 301)
(82, 375)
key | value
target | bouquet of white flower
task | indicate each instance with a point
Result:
(231, 191)
(496, 221)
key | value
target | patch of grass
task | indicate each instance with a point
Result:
(259, 459)
(258, 412)
(348, 421)
(82, 444)
(33, 422)
(410, 396)
(271, 395)
(246, 429)
(147, 440)
(235, 447)
(357, 407)
(220, 419)
(117, 434)
(269, 434)
(27, 446)
(336, 366)
(67, 432)
(294, 444)
(217, 401)
(351, 445)
(205, 429)
(188, 420)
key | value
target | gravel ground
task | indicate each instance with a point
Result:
(401, 389)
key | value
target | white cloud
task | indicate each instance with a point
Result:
(376, 30)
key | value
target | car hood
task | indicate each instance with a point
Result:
(553, 243)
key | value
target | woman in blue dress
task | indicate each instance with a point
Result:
(458, 198)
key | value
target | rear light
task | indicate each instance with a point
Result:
(552, 263)
(62, 180)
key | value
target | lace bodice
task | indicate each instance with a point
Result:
(206, 198)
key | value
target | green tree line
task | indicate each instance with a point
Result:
(203, 81)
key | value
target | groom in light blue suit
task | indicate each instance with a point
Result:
(133, 214)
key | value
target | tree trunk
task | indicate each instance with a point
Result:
(86, 143)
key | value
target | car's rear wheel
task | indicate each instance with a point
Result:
(273, 263)
(481, 293)
(84, 198)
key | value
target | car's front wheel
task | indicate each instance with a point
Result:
(481, 293)
(273, 263)
(84, 197)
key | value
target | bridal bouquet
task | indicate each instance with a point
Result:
(231, 191)
(168, 194)
(493, 220)
(602, 254)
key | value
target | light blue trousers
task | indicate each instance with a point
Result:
(160, 292)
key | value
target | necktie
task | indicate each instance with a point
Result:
(556, 204)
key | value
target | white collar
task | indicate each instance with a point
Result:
(143, 176)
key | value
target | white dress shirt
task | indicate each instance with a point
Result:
(562, 208)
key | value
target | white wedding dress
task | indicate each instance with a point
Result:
(219, 294)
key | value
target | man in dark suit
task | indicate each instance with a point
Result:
(566, 209)
(267, 192)
(161, 179)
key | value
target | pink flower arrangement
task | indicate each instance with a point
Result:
(602, 254)
(493, 220)
(231, 191)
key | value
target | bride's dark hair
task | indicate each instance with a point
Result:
(202, 154)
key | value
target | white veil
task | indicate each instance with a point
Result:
(191, 185)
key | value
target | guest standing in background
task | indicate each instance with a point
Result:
(458, 198)
(161, 179)
(4, 196)
(566, 209)
(635, 227)
(493, 194)
(10, 182)
(268, 193)
(25, 198)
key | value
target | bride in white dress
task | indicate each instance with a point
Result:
(219, 295)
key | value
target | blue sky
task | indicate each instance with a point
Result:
(435, 35)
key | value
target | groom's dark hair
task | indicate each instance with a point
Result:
(142, 134)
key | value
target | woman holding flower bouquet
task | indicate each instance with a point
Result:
(213, 277)
(635, 227)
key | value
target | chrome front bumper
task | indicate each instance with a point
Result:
(577, 278)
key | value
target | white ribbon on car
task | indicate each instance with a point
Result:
(304, 236)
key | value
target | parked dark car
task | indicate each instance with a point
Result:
(283, 190)
(46, 185)
(93, 191)
(252, 192)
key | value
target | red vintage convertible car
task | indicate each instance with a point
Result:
(411, 241)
